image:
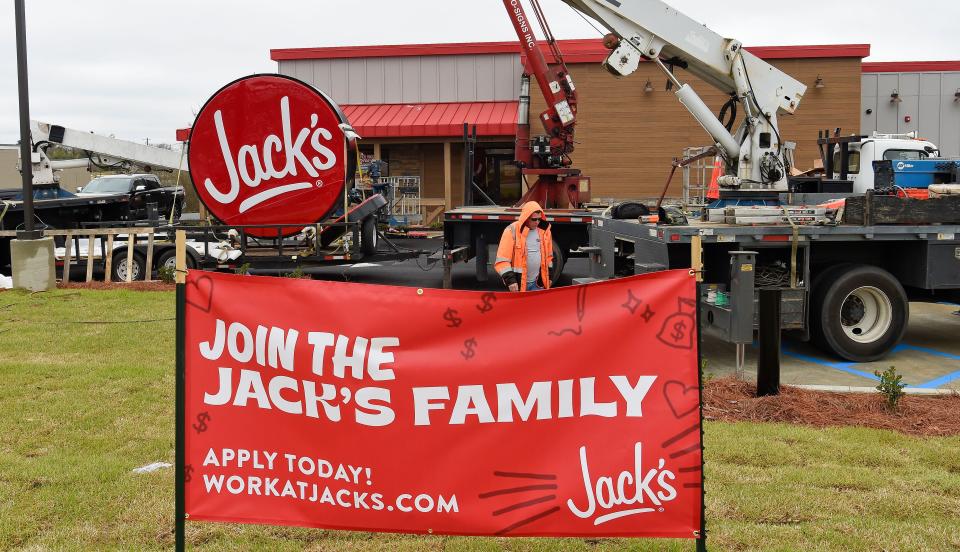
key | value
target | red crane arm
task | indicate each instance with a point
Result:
(555, 84)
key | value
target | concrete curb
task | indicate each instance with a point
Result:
(851, 389)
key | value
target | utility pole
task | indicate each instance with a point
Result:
(31, 255)
(26, 158)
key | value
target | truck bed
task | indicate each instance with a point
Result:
(923, 257)
(65, 212)
(510, 214)
(712, 232)
(468, 232)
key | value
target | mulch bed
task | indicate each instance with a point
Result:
(155, 285)
(730, 400)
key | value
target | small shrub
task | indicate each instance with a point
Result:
(297, 273)
(167, 274)
(891, 386)
(243, 269)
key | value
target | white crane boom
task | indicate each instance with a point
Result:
(651, 29)
(102, 150)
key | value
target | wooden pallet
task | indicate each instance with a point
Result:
(869, 210)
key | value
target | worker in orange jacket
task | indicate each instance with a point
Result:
(525, 254)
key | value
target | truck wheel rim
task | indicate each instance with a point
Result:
(170, 263)
(866, 314)
(122, 270)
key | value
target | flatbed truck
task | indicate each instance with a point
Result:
(847, 287)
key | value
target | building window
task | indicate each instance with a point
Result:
(853, 162)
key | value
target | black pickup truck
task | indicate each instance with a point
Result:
(122, 197)
(140, 190)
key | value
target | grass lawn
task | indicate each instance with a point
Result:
(87, 396)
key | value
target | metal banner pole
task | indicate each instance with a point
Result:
(180, 416)
(696, 270)
(702, 538)
(26, 153)
(768, 359)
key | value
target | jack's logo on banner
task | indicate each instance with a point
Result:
(270, 149)
(569, 412)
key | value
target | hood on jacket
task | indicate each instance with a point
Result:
(527, 210)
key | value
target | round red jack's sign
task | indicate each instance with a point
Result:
(270, 149)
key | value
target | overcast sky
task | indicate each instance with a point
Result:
(140, 69)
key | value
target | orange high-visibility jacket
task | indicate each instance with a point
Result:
(512, 252)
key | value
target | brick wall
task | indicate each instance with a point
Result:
(628, 137)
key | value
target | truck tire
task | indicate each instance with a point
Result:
(859, 312)
(369, 239)
(820, 277)
(119, 267)
(169, 258)
(559, 259)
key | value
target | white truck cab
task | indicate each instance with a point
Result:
(879, 147)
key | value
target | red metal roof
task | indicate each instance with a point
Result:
(909, 66)
(587, 50)
(396, 50)
(432, 119)
(425, 120)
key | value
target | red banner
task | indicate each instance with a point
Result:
(568, 412)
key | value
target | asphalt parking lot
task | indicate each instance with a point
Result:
(928, 357)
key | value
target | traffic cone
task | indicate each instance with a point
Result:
(713, 189)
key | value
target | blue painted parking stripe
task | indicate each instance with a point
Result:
(848, 367)
(936, 382)
(939, 382)
(842, 366)
(928, 351)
